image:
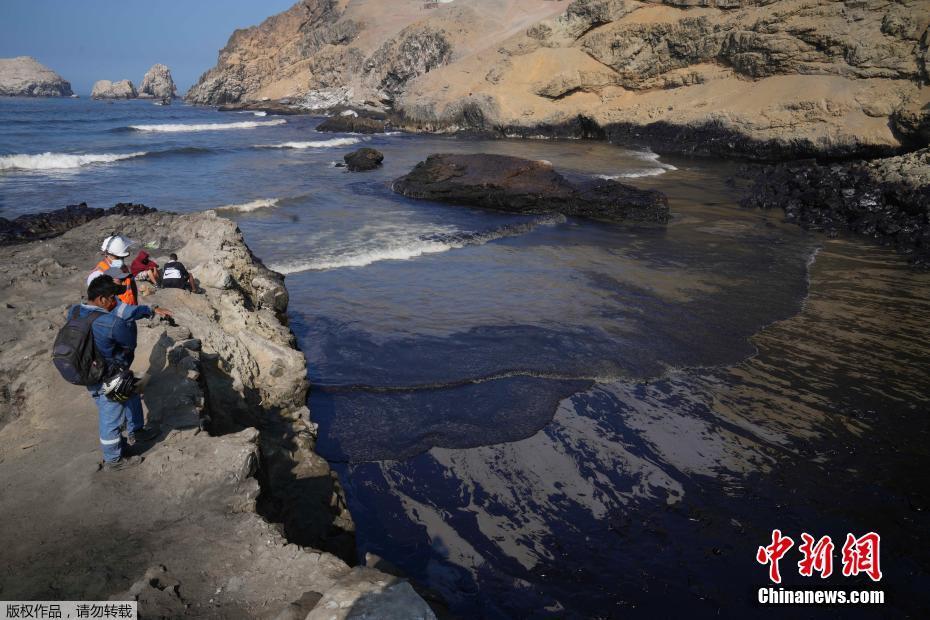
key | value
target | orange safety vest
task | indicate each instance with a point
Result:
(130, 296)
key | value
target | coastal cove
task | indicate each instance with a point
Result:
(531, 415)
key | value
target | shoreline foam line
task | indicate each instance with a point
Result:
(62, 161)
(181, 127)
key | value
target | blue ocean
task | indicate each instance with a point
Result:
(534, 416)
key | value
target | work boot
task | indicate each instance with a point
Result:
(143, 434)
(124, 462)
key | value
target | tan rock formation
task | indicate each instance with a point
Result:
(157, 83)
(757, 77)
(25, 76)
(122, 89)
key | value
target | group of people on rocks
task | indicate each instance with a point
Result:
(109, 316)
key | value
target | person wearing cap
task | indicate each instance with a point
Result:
(115, 338)
(115, 249)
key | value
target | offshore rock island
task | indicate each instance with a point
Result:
(25, 76)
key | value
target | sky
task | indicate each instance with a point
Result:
(89, 40)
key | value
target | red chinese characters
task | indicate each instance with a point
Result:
(861, 555)
(817, 557)
(773, 553)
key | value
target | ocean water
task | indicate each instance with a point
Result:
(539, 416)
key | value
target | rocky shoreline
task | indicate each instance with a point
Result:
(191, 532)
(883, 199)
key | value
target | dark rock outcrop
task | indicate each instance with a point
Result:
(520, 185)
(885, 199)
(50, 224)
(363, 159)
(352, 124)
(268, 107)
(25, 76)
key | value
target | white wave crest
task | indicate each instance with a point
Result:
(254, 205)
(260, 113)
(412, 248)
(208, 126)
(317, 144)
(660, 167)
(55, 161)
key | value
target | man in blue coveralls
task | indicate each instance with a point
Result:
(115, 339)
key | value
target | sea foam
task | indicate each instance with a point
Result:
(254, 205)
(411, 248)
(58, 161)
(178, 127)
(659, 167)
(317, 144)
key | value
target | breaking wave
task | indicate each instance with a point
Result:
(316, 144)
(658, 167)
(57, 161)
(180, 127)
(433, 243)
(254, 205)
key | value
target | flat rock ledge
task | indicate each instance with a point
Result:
(190, 532)
(518, 185)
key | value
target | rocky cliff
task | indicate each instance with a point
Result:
(158, 83)
(324, 53)
(183, 533)
(763, 78)
(26, 77)
(105, 89)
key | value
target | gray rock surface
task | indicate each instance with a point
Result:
(180, 532)
(366, 593)
(24, 76)
(122, 89)
(157, 83)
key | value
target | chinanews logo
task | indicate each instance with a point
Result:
(859, 555)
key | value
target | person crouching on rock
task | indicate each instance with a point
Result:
(144, 269)
(115, 249)
(115, 339)
(175, 275)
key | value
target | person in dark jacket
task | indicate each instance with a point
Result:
(115, 338)
(175, 275)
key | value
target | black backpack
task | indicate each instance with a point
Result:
(74, 354)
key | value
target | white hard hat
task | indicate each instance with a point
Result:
(117, 245)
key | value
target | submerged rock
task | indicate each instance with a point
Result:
(885, 199)
(352, 124)
(25, 76)
(520, 185)
(158, 83)
(34, 226)
(105, 89)
(363, 159)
